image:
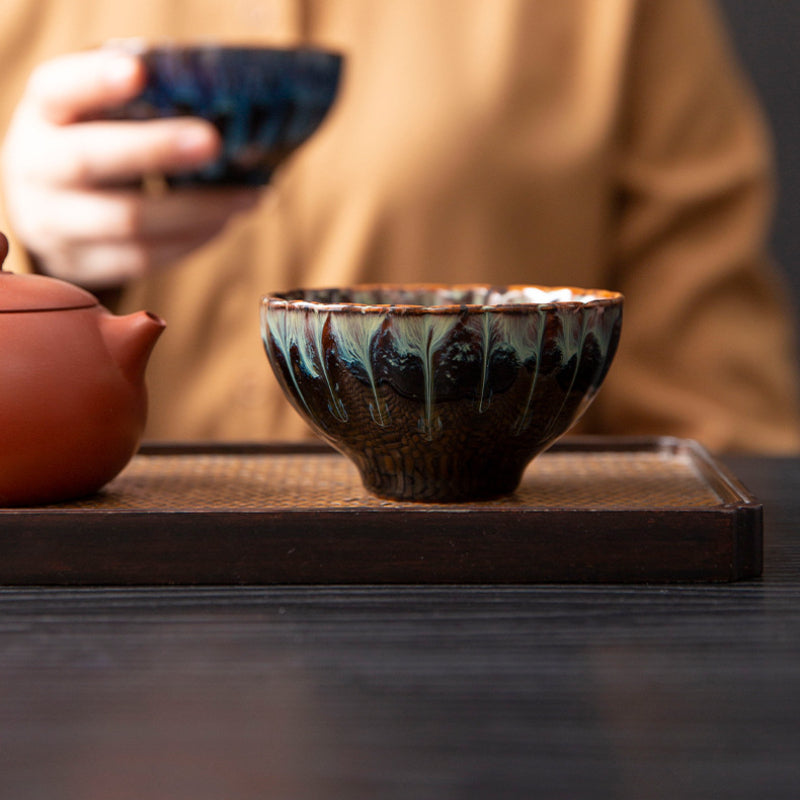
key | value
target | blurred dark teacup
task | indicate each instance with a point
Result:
(264, 101)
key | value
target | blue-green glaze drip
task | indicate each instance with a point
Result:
(317, 322)
(570, 339)
(522, 335)
(423, 336)
(602, 323)
(282, 334)
(487, 326)
(305, 332)
(353, 334)
(527, 341)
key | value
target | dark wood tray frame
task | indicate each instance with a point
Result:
(460, 544)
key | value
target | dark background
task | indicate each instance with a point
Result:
(765, 33)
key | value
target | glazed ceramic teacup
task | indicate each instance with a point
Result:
(264, 101)
(441, 393)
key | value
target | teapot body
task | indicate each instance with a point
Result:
(72, 416)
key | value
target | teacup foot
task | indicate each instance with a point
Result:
(464, 486)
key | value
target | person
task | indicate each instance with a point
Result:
(603, 145)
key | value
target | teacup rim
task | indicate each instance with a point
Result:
(144, 45)
(580, 298)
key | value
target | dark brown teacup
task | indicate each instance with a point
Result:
(441, 393)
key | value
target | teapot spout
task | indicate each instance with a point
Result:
(130, 340)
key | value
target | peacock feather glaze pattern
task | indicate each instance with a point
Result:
(441, 393)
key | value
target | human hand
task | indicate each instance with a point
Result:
(72, 183)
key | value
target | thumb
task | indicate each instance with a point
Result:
(69, 88)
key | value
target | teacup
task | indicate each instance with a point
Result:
(441, 393)
(264, 101)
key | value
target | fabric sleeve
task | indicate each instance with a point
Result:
(713, 356)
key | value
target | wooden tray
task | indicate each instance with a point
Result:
(589, 510)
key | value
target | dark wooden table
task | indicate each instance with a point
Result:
(412, 692)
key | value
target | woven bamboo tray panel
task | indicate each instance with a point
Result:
(587, 511)
(246, 482)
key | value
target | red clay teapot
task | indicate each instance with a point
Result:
(73, 401)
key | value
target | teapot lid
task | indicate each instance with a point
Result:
(38, 292)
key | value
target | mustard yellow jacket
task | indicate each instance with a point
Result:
(597, 143)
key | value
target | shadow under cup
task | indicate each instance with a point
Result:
(265, 102)
(441, 393)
